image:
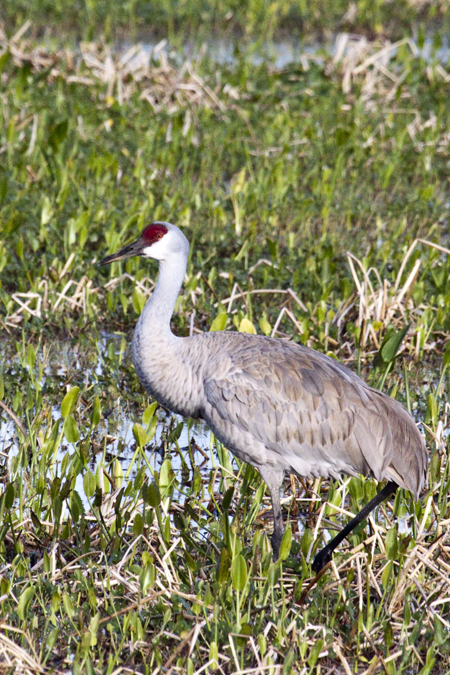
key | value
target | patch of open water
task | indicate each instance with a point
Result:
(280, 53)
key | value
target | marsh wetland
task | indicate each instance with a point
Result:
(315, 195)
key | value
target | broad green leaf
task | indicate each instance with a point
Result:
(386, 575)
(4, 58)
(390, 348)
(89, 484)
(285, 545)
(237, 182)
(47, 211)
(307, 539)
(219, 322)
(69, 401)
(446, 356)
(24, 601)
(139, 435)
(138, 525)
(138, 300)
(314, 653)
(118, 473)
(147, 577)
(9, 496)
(246, 326)
(153, 495)
(239, 573)
(51, 639)
(265, 326)
(432, 413)
(289, 662)
(148, 413)
(166, 474)
(76, 506)
(57, 134)
(228, 496)
(68, 605)
(213, 655)
(93, 629)
(224, 566)
(391, 543)
(71, 429)
(96, 412)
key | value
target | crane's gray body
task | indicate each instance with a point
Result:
(279, 406)
(283, 406)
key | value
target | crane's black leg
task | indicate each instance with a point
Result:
(274, 480)
(324, 556)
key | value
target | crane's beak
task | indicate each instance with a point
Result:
(127, 252)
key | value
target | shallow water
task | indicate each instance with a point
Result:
(280, 53)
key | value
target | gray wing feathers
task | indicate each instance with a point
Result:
(316, 416)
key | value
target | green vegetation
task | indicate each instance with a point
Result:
(325, 183)
(88, 19)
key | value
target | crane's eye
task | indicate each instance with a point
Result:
(159, 235)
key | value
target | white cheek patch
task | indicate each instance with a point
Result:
(157, 250)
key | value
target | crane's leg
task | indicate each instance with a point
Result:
(274, 479)
(324, 556)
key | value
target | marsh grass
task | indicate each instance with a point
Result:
(315, 200)
(203, 19)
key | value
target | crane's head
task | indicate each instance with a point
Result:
(158, 240)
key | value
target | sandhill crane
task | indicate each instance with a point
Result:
(279, 406)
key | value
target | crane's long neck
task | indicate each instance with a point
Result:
(158, 355)
(156, 315)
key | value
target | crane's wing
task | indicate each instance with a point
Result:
(311, 414)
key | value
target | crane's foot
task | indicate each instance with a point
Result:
(322, 558)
